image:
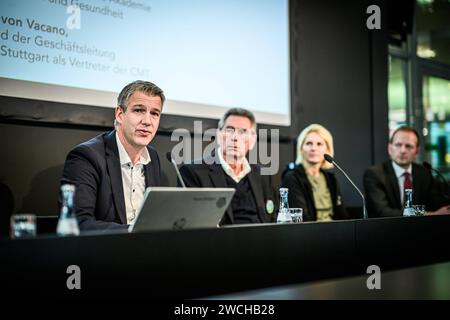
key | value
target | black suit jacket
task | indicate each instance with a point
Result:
(383, 193)
(212, 175)
(94, 168)
(301, 194)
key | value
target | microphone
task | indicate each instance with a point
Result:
(169, 157)
(428, 166)
(331, 160)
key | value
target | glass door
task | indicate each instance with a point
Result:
(436, 122)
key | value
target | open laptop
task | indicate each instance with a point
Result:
(168, 208)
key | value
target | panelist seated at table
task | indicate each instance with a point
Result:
(111, 171)
(255, 200)
(385, 183)
(312, 186)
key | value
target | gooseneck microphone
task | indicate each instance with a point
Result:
(428, 166)
(169, 157)
(331, 160)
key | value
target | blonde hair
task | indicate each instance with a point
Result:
(324, 134)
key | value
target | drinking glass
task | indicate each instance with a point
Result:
(23, 226)
(296, 214)
(419, 209)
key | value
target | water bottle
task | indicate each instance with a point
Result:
(67, 223)
(408, 209)
(283, 213)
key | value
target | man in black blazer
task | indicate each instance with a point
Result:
(255, 200)
(385, 183)
(111, 171)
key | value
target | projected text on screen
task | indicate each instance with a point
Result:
(218, 54)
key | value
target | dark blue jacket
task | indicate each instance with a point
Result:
(212, 176)
(383, 192)
(94, 168)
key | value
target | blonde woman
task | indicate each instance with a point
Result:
(312, 186)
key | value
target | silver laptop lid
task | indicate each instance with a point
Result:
(169, 208)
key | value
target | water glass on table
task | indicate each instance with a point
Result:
(419, 209)
(23, 226)
(296, 214)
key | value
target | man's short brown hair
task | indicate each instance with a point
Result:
(146, 87)
(406, 129)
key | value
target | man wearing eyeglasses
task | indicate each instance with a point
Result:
(254, 200)
(385, 183)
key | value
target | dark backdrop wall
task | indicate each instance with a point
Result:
(338, 79)
(35, 154)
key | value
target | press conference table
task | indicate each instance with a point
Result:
(215, 262)
(423, 282)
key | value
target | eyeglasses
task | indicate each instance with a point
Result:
(240, 131)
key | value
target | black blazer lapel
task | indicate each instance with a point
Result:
(217, 176)
(115, 174)
(256, 184)
(331, 187)
(148, 175)
(392, 184)
(419, 185)
(309, 196)
(152, 171)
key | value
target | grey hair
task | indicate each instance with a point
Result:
(145, 87)
(238, 112)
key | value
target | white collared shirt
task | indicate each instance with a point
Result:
(399, 171)
(226, 167)
(133, 179)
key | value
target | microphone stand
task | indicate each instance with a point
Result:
(331, 160)
(169, 157)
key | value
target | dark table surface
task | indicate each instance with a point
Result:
(424, 282)
(211, 262)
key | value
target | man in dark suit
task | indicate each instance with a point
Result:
(254, 200)
(385, 183)
(111, 171)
